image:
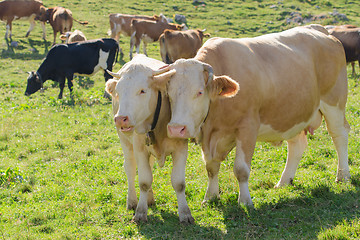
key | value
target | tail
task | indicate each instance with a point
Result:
(163, 53)
(117, 54)
(81, 22)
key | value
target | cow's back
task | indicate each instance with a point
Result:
(298, 66)
(182, 44)
(350, 39)
(9, 9)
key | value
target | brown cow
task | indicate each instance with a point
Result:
(21, 9)
(121, 23)
(288, 81)
(180, 44)
(148, 31)
(349, 36)
(60, 19)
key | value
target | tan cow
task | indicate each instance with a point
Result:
(11, 10)
(148, 32)
(60, 19)
(71, 37)
(287, 80)
(121, 23)
(349, 36)
(141, 115)
(180, 44)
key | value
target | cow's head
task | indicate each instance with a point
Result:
(34, 83)
(134, 98)
(190, 90)
(44, 14)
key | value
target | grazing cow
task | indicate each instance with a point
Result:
(71, 37)
(148, 31)
(180, 44)
(141, 115)
(60, 19)
(287, 81)
(65, 60)
(121, 23)
(349, 36)
(11, 10)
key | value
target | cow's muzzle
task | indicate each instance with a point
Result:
(177, 131)
(123, 123)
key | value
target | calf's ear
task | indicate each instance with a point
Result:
(110, 87)
(160, 78)
(222, 86)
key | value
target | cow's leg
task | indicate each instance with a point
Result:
(296, 148)
(130, 170)
(353, 68)
(132, 44)
(242, 166)
(8, 28)
(144, 48)
(178, 182)
(145, 178)
(61, 81)
(151, 199)
(32, 25)
(43, 29)
(70, 84)
(212, 168)
(338, 128)
(55, 33)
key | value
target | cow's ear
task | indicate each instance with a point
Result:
(110, 87)
(222, 86)
(160, 81)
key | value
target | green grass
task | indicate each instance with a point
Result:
(61, 168)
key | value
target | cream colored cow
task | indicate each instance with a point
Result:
(141, 116)
(287, 81)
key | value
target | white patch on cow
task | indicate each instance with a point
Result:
(122, 21)
(147, 39)
(103, 56)
(267, 134)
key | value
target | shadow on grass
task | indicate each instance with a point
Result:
(169, 228)
(289, 218)
(32, 54)
(293, 218)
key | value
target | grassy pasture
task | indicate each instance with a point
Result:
(61, 165)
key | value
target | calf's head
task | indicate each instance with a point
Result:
(34, 83)
(191, 89)
(134, 99)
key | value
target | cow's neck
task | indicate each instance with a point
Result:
(44, 72)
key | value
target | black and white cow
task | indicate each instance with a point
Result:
(65, 60)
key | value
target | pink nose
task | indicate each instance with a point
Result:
(177, 131)
(121, 121)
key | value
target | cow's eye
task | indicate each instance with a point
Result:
(200, 93)
(142, 91)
